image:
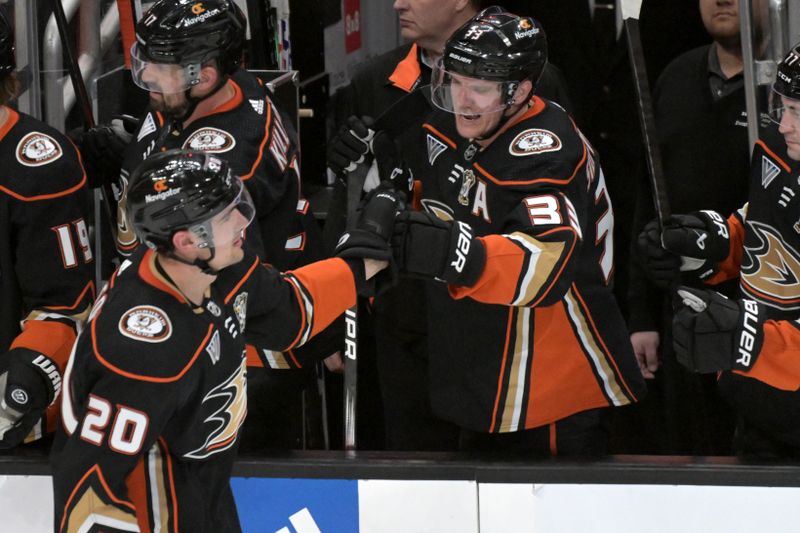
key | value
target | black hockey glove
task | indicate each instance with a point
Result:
(713, 333)
(661, 266)
(427, 246)
(391, 168)
(370, 238)
(350, 146)
(102, 148)
(701, 239)
(29, 383)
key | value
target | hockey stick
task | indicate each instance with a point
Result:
(393, 119)
(630, 17)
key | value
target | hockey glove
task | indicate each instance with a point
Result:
(712, 333)
(660, 265)
(370, 239)
(390, 167)
(700, 238)
(29, 383)
(350, 146)
(102, 149)
(427, 246)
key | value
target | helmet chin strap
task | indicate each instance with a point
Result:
(202, 264)
(504, 118)
(194, 101)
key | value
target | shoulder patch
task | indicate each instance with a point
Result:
(534, 141)
(211, 140)
(769, 171)
(37, 149)
(146, 323)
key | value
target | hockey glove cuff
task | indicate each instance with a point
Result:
(713, 333)
(29, 383)
(427, 246)
(701, 239)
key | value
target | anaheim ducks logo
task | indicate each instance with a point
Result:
(228, 403)
(211, 140)
(534, 141)
(146, 323)
(440, 209)
(770, 270)
(37, 149)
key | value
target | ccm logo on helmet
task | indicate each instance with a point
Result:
(747, 339)
(463, 244)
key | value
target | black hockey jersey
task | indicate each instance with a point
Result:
(155, 391)
(46, 261)
(539, 337)
(262, 148)
(765, 256)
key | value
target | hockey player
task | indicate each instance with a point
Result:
(755, 340)
(528, 347)
(187, 56)
(46, 262)
(399, 315)
(154, 393)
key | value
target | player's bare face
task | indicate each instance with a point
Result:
(228, 232)
(790, 127)
(168, 88)
(478, 106)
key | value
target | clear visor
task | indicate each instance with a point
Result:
(462, 95)
(780, 107)
(229, 224)
(165, 78)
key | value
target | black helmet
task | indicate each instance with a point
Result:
(182, 190)
(787, 81)
(192, 32)
(7, 61)
(499, 46)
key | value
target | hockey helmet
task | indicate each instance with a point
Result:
(176, 38)
(494, 46)
(184, 190)
(7, 61)
(786, 84)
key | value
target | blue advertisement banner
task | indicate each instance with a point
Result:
(268, 505)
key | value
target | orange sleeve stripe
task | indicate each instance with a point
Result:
(511, 183)
(252, 358)
(730, 266)
(39, 197)
(142, 377)
(81, 297)
(780, 161)
(267, 124)
(778, 364)
(94, 469)
(441, 136)
(54, 339)
(241, 281)
(330, 283)
(136, 484)
(564, 262)
(502, 373)
(500, 277)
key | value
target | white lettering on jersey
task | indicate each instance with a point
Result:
(480, 206)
